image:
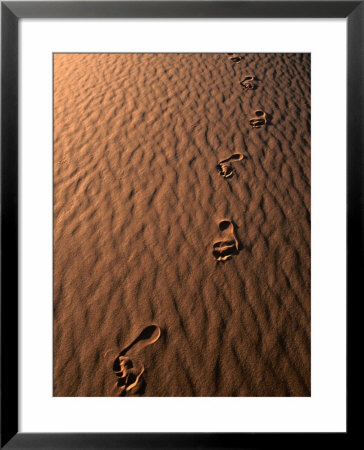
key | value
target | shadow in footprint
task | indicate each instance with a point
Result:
(148, 336)
(129, 370)
(234, 57)
(224, 166)
(224, 249)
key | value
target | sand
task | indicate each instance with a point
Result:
(182, 225)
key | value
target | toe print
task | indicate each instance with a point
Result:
(129, 373)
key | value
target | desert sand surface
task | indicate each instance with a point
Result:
(182, 225)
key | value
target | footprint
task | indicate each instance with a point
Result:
(234, 59)
(225, 249)
(249, 82)
(225, 168)
(260, 119)
(129, 369)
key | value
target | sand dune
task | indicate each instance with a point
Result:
(140, 206)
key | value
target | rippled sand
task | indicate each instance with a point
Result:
(141, 215)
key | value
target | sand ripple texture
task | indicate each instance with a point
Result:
(137, 207)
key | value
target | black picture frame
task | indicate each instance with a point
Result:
(11, 12)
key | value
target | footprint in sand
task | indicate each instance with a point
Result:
(260, 119)
(234, 57)
(224, 249)
(224, 166)
(129, 369)
(249, 82)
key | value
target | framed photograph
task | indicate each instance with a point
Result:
(181, 219)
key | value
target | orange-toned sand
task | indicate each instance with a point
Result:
(182, 224)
